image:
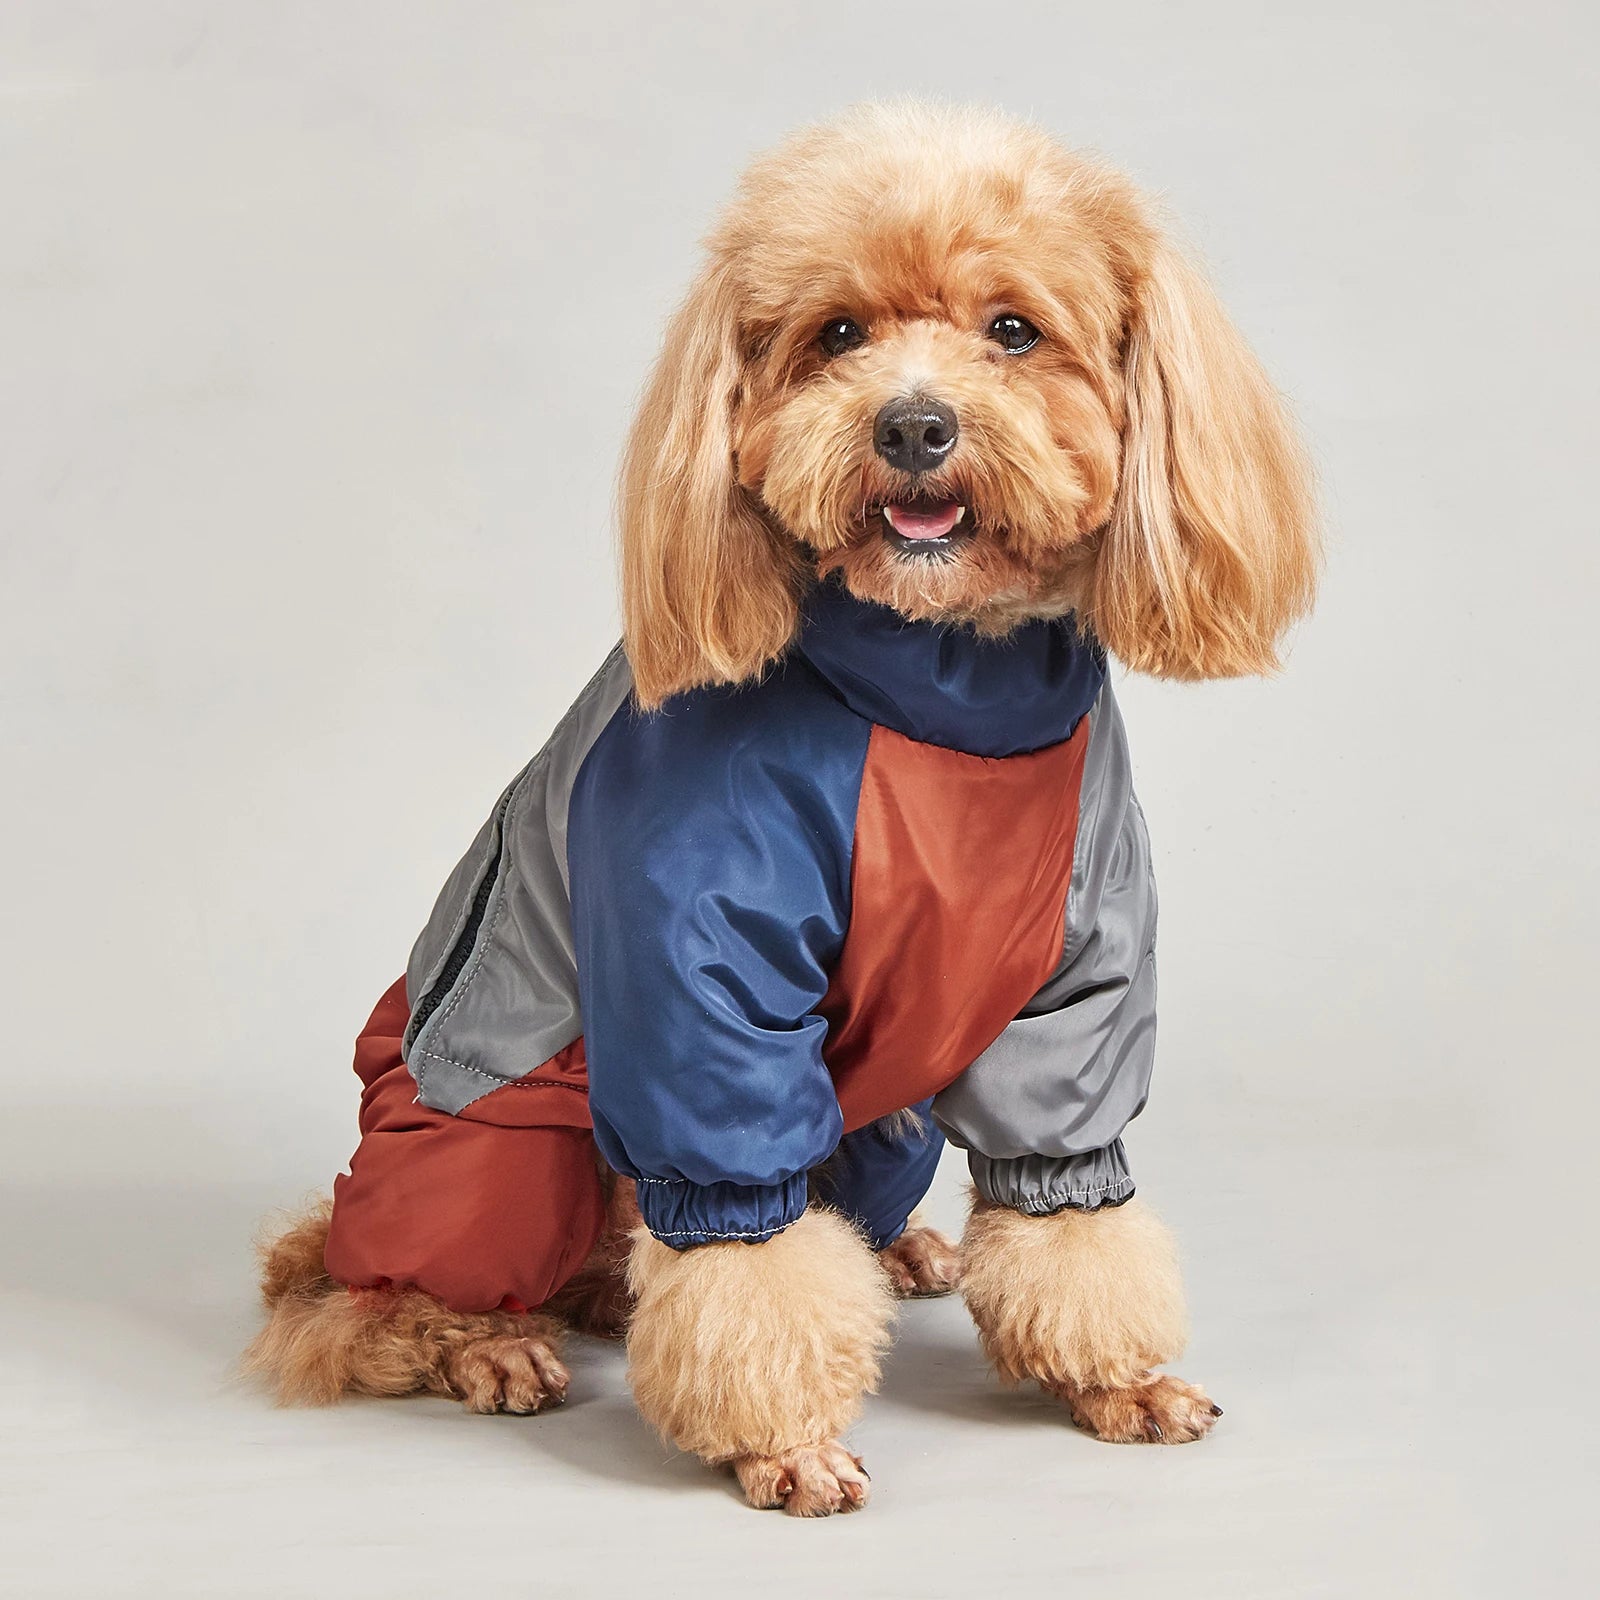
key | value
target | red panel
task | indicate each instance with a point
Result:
(476, 1213)
(958, 910)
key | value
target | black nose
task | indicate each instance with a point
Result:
(914, 434)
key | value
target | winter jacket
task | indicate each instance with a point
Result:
(905, 869)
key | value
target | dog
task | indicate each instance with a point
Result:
(838, 855)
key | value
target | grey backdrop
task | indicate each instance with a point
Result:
(319, 328)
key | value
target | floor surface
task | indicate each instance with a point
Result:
(320, 329)
(1362, 1452)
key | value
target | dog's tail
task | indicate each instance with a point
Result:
(322, 1341)
(309, 1349)
(291, 1261)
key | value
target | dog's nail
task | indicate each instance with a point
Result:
(1216, 1411)
(1152, 1429)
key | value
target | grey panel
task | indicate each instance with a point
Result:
(1041, 1110)
(492, 979)
(1041, 1185)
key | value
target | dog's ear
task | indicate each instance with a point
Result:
(708, 587)
(1212, 546)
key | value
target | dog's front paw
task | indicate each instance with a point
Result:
(1162, 1411)
(922, 1262)
(810, 1481)
(505, 1372)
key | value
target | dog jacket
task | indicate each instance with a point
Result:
(904, 870)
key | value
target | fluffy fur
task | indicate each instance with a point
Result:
(323, 1340)
(1085, 1304)
(744, 1352)
(1136, 465)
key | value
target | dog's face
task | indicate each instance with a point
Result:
(943, 356)
(932, 402)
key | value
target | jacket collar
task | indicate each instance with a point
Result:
(943, 684)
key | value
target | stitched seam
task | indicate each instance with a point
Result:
(706, 1233)
(1049, 1202)
(535, 1083)
(1082, 1194)
(502, 869)
(505, 1083)
(519, 795)
(689, 1183)
(711, 1233)
(1072, 948)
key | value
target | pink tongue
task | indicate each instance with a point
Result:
(934, 524)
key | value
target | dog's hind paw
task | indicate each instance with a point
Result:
(506, 1372)
(810, 1481)
(922, 1262)
(1162, 1411)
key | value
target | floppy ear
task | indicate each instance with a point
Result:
(1212, 547)
(708, 588)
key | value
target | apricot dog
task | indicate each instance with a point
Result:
(838, 855)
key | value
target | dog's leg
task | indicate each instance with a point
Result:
(323, 1340)
(922, 1262)
(1086, 1304)
(760, 1354)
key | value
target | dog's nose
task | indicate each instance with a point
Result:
(914, 433)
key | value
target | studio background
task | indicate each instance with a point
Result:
(320, 326)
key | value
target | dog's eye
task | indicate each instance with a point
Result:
(840, 335)
(1012, 333)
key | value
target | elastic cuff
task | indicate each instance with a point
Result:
(1040, 1185)
(684, 1214)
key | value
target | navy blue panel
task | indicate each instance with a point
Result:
(943, 684)
(709, 849)
(686, 1214)
(880, 1172)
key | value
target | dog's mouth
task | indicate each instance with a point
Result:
(928, 525)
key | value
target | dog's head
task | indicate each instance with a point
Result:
(940, 354)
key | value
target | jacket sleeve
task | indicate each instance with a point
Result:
(1041, 1112)
(880, 1172)
(709, 856)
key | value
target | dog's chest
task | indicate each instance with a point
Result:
(959, 881)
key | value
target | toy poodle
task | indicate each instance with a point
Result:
(837, 857)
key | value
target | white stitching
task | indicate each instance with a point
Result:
(1093, 1189)
(1071, 946)
(710, 1233)
(1066, 1197)
(706, 1233)
(689, 1183)
(508, 1083)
